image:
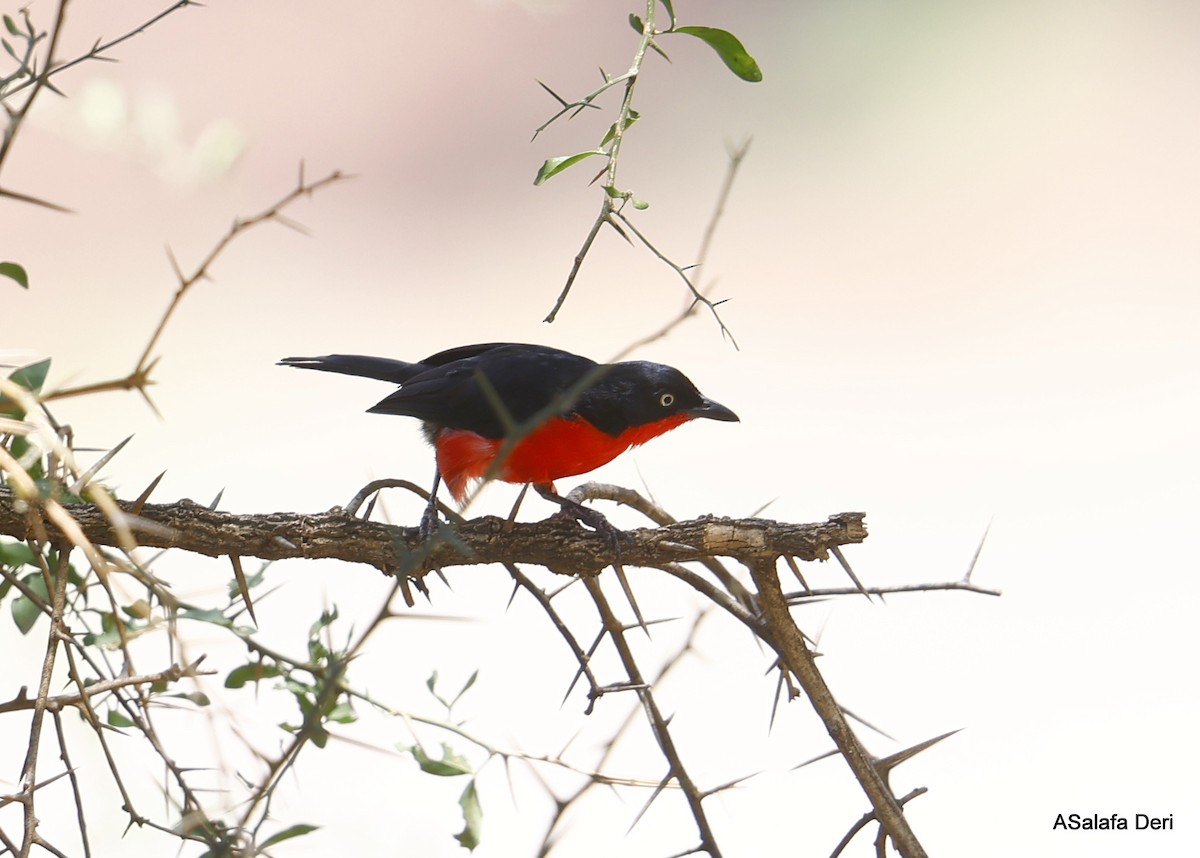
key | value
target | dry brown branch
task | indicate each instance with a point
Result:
(59, 702)
(800, 661)
(558, 542)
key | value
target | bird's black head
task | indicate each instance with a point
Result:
(636, 393)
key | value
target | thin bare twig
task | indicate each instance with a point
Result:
(736, 157)
(139, 377)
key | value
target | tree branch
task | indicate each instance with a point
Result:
(557, 541)
(789, 643)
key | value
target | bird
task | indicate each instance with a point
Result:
(524, 413)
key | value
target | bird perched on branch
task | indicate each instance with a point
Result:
(527, 413)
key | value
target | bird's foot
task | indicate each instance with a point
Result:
(586, 516)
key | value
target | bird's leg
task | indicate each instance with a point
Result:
(429, 518)
(584, 515)
(596, 520)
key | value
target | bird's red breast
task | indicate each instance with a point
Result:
(560, 447)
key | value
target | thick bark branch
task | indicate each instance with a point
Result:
(557, 542)
(788, 641)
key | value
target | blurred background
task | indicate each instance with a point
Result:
(960, 263)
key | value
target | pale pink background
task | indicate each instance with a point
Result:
(961, 262)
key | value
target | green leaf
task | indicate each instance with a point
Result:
(197, 697)
(466, 686)
(32, 376)
(325, 619)
(636, 23)
(729, 49)
(252, 581)
(24, 614)
(342, 713)
(204, 615)
(319, 736)
(288, 833)
(472, 817)
(450, 765)
(256, 671)
(110, 636)
(13, 271)
(556, 165)
(633, 117)
(24, 611)
(16, 554)
(118, 719)
(11, 25)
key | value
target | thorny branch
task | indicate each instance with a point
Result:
(139, 377)
(613, 201)
(789, 642)
(558, 542)
(36, 81)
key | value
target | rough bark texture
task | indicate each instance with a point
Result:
(558, 542)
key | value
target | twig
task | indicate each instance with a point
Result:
(40, 81)
(735, 162)
(139, 378)
(58, 587)
(658, 723)
(60, 702)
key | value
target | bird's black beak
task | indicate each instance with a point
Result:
(713, 411)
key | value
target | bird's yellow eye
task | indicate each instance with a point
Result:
(666, 400)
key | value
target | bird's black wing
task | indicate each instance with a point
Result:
(487, 388)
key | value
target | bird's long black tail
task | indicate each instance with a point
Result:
(383, 369)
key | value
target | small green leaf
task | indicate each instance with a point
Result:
(633, 117)
(110, 634)
(641, 205)
(31, 377)
(13, 271)
(117, 719)
(252, 581)
(11, 25)
(729, 49)
(342, 713)
(450, 765)
(466, 686)
(138, 610)
(256, 671)
(15, 554)
(636, 23)
(288, 833)
(554, 166)
(472, 817)
(24, 611)
(325, 619)
(204, 615)
(197, 697)
(24, 614)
